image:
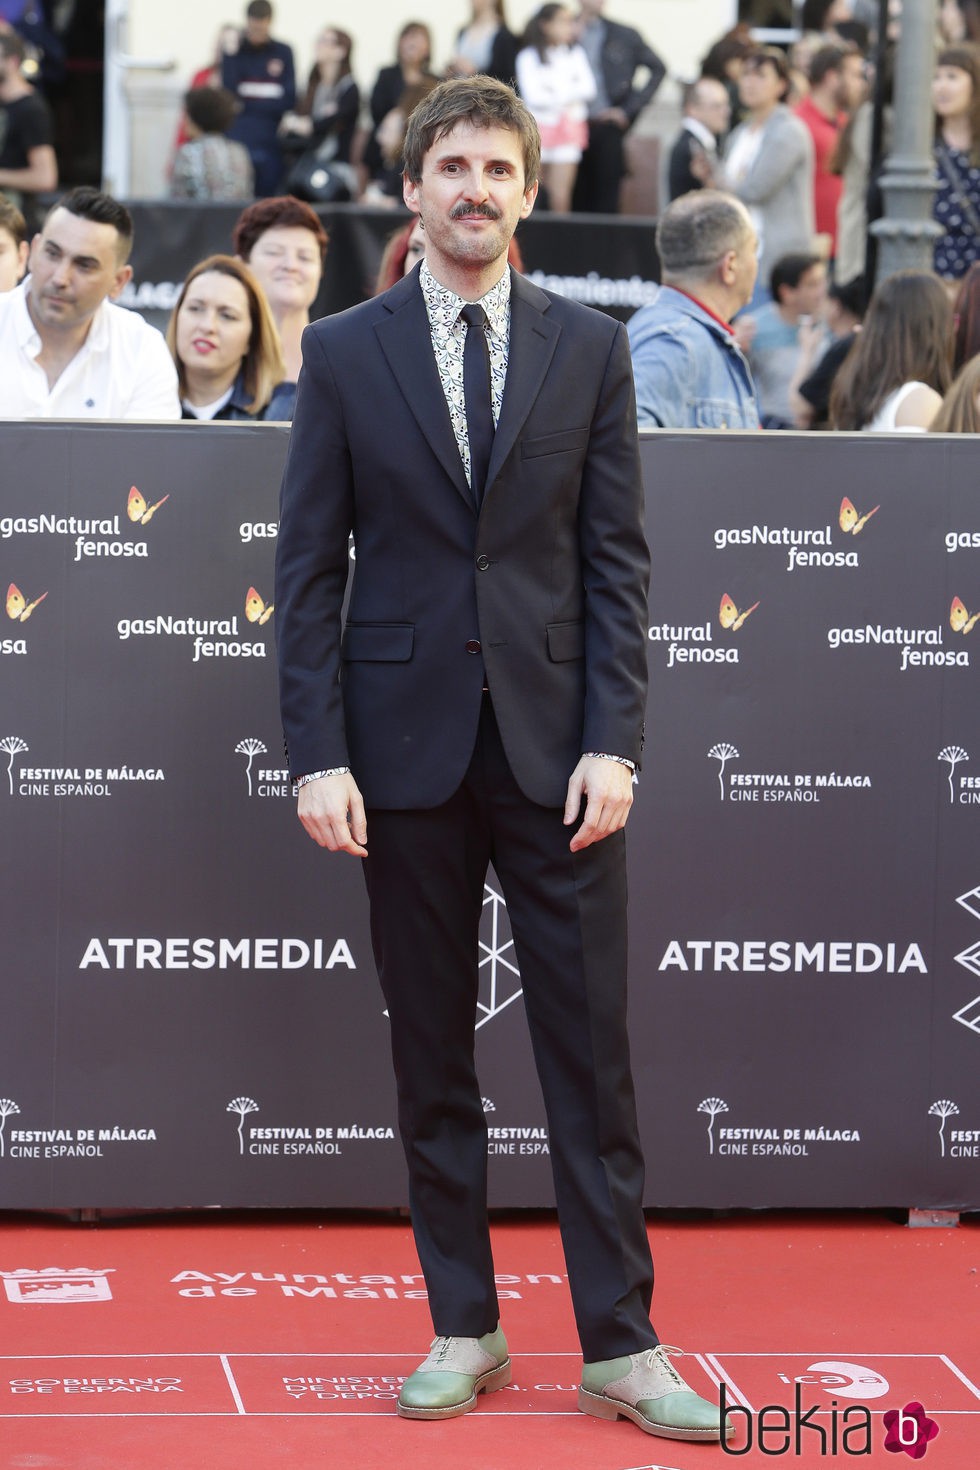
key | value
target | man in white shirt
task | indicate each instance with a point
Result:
(66, 350)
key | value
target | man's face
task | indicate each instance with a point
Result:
(74, 267)
(257, 32)
(710, 105)
(13, 260)
(471, 196)
(809, 296)
(853, 83)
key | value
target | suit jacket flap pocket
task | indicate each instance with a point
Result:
(562, 443)
(565, 641)
(378, 642)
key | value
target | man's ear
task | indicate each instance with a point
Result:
(410, 194)
(729, 267)
(122, 279)
(529, 197)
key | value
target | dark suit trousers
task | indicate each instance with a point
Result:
(425, 876)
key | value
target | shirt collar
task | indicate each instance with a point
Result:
(706, 309)
(444, 305)
(702, 132)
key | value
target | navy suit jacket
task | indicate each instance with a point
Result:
(544, 587)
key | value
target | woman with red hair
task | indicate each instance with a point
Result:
(284, 243)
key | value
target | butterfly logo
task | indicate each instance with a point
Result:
(849, 520)
(959, 619)
(138, 510)
(255, 608)
(729, 615)
(18, 607)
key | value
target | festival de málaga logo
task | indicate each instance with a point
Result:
(8, 1109)
(306, 1138)
(964, 790)
(961, 1142)
(12, 746)
(771, 1139)
(779, 786)
(69, 780)
(262, 780)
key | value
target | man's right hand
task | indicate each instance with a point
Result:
(332, 811)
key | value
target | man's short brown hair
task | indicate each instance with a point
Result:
(480, 101)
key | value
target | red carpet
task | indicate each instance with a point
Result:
(229, 1342)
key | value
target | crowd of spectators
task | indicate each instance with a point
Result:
(777, 142)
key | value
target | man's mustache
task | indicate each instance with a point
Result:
(487, 211)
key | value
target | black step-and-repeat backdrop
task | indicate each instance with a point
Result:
(190, 1012)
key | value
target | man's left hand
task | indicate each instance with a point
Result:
(607, 788)
(614, 115)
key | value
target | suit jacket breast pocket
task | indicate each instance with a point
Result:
(565, 442)
(378, 642)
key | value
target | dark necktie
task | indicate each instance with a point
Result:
(476, 388)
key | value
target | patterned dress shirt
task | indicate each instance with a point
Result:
(449, 338)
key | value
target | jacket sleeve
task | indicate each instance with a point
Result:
(615, 567)
(638, 97)
(312, 564)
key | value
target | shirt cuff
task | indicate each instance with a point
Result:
(315, 776)
(602, 755)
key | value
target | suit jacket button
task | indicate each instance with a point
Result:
(483, 563)
(474, 646)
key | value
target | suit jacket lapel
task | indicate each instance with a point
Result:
(533, 339)
(406, 342)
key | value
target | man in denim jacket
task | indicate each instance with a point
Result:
(689, 370)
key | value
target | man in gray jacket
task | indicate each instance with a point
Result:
(687, 366)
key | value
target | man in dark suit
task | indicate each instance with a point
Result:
(616, 54)
(694, 156)
(484, 702)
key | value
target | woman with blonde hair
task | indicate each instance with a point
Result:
(224, 341)
(900, 366)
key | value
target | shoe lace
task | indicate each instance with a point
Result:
(658, 1359)
(441, 1348)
